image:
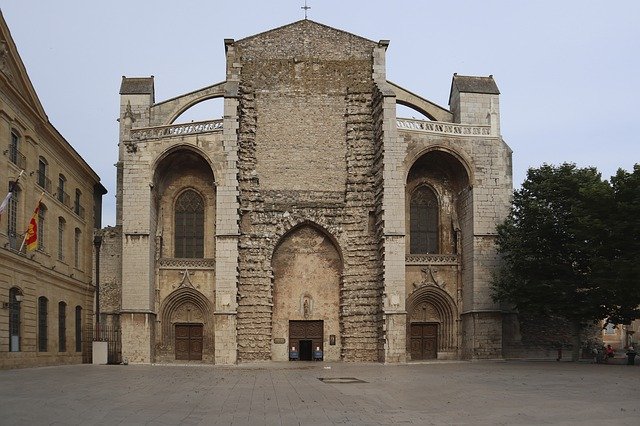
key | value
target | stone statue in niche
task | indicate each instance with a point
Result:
(306, 306)
(455, 227)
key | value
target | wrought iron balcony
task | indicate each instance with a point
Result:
(17, 158)
(44, 182)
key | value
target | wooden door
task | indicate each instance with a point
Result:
(312, 331)
(189, 341)
(424, 339)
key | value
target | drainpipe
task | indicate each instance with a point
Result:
(97, 242)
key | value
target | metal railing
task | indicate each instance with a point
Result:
(79, 210)
(44, 182)
(17, 158)
(63, 197)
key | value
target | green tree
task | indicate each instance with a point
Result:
(554, 245)
(625, 247)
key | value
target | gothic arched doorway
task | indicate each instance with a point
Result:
(307, 269)
(187, 331)
(431, 325)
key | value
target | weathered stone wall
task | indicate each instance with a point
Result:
(110, 272)
(307, 271)
(293, 73)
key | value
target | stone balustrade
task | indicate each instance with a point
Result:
(431, 259)
(445, 128)
(183, 129)
(198, 127)
(182, 263)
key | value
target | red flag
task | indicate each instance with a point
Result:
(31, 237)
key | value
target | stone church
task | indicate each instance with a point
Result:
(309, 222)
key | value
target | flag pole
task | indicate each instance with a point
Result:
(12, 189)
(32, 217)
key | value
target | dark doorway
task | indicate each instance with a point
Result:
(424, 339)
(306, 350)
(189, 341)
(306, 336)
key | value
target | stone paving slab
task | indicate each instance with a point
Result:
(502, 393)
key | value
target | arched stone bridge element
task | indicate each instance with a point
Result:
(166, 112)
(424, 106)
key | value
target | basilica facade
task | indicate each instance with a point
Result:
(309, 222)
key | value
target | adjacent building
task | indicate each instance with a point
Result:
(46, 295)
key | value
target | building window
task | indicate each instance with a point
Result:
(15, 297)
(62, 327)
(12, 216)
(15, 156)
(42, 324)
(77, 205)
(610, 328)
(42, 214)
(61, 194)
(189, 225)
(78, 329)
(43, 179)
(61, 226)
(424, 221)
(76, 248)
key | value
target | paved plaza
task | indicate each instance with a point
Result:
(292, 393)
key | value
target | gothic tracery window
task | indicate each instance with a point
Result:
(424, 221)
(189, 225)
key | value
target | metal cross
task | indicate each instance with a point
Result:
(305, 7)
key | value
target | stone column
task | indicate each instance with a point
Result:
(393, 217)
(227, 232)
(137, 316)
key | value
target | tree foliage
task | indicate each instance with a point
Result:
(625, 247)
(550, 243)
(570, 246)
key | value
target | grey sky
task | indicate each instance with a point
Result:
(567, 69)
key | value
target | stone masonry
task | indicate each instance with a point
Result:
(308, 205)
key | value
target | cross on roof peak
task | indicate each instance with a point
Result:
(305, 8)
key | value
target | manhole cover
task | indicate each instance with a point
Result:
(338, 380)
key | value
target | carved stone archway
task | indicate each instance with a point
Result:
(185, 305)
(430, 303)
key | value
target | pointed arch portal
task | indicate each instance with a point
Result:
(307, 270)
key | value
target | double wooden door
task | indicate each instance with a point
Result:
(424, 341)
(306, 337)
(189, 341)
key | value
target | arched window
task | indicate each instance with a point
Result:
(15, 297)
(42, 214)
(61, 226)
(62, 327)
(78, 328)
(61, 193)
(424, 221)
(12, 215)
(42, 323)
(76, 248)
(77, 205)
(189, 225)
(43, 170)
(15, 156)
